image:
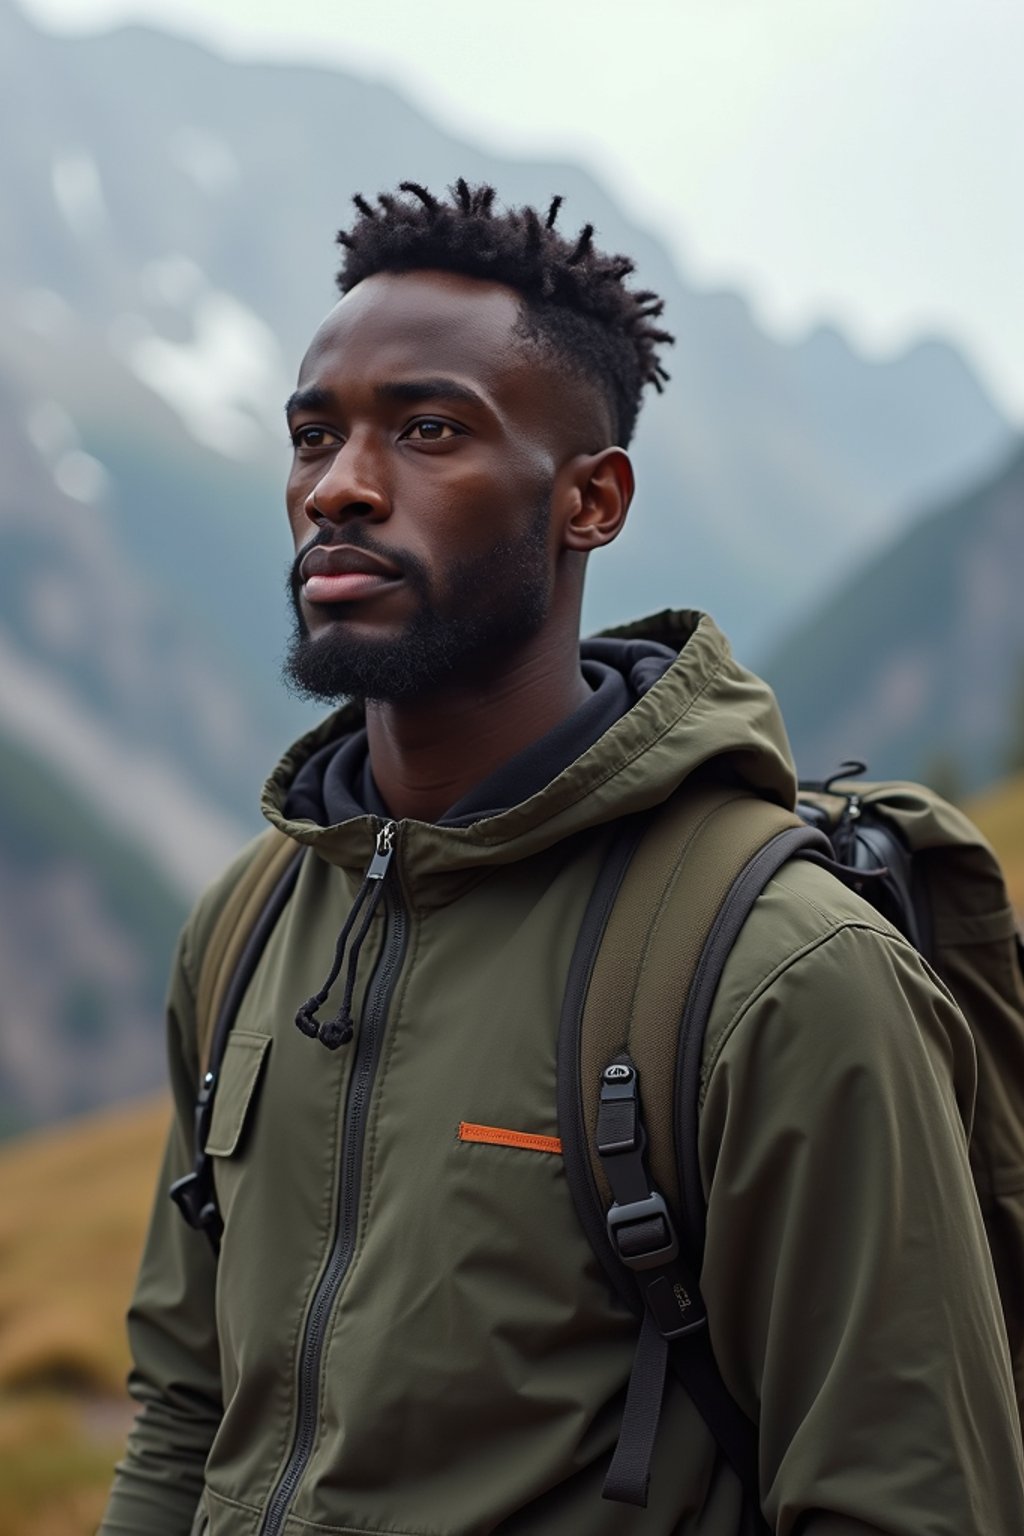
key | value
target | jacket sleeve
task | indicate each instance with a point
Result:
(175, 1376)
(852, 1303)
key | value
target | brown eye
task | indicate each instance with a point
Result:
(312, 437)
(430, 430)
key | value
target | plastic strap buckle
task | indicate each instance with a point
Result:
(193, 1193)
(639, 1226)
(193, 1197)
(639, 1249)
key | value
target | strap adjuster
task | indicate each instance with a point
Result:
(193, 1193)
(638, 1223)
(642, 1233)
(194, 1198)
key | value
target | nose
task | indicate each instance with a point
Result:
(351, 486)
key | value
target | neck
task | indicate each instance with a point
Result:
(426, 755)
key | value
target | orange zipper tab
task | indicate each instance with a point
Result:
(501, 1138)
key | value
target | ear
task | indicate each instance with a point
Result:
(599, 491)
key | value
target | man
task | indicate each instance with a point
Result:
(405, 1330)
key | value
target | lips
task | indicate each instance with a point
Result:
(340, 573)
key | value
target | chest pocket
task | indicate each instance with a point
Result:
(233, 1101)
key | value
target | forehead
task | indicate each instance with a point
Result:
(399, 323)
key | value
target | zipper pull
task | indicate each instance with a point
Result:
(338, 1031)
(383, 851)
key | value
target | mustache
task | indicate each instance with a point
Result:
(356, 537)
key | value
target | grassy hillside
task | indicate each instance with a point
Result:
(73, 1207)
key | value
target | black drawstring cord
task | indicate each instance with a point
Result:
(338, 1031)
(305, 1019)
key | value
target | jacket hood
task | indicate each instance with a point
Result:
(704, 708)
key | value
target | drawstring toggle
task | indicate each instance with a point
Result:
(338, 1031)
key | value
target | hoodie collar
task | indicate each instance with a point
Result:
(690, 703)
(336, 783)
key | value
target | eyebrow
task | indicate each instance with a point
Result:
(314, 397)
(311, 398)
(415, 391)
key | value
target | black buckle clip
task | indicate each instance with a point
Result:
(191, 1194)
(622, 1218)
(639, 1226)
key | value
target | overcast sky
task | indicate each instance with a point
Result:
(855, 160)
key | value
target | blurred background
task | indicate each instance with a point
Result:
(824, 194)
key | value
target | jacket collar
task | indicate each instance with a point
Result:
(705, 708)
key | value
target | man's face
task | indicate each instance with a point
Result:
(425, 453)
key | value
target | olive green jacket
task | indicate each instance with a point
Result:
(406, 1331)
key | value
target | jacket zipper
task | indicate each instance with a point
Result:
(364, 1067)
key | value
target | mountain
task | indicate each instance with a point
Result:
(173, 214)
(166, 251)
(917, 664)
(84, 945)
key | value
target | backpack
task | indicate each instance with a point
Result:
(673, 893)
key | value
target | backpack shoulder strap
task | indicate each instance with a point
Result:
(653, 944)
(271, 855)
(232, 950)
(663, 917)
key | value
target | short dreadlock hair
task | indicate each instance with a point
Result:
(575, 300)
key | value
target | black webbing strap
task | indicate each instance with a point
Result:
(629, 1474)
(194, 1194)
(639, 1226)
(641, 1232)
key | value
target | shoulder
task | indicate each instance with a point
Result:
(819, 984)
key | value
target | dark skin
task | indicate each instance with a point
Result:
(422, 416)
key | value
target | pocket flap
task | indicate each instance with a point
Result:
(239, 1074)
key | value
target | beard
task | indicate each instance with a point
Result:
(492, 603)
